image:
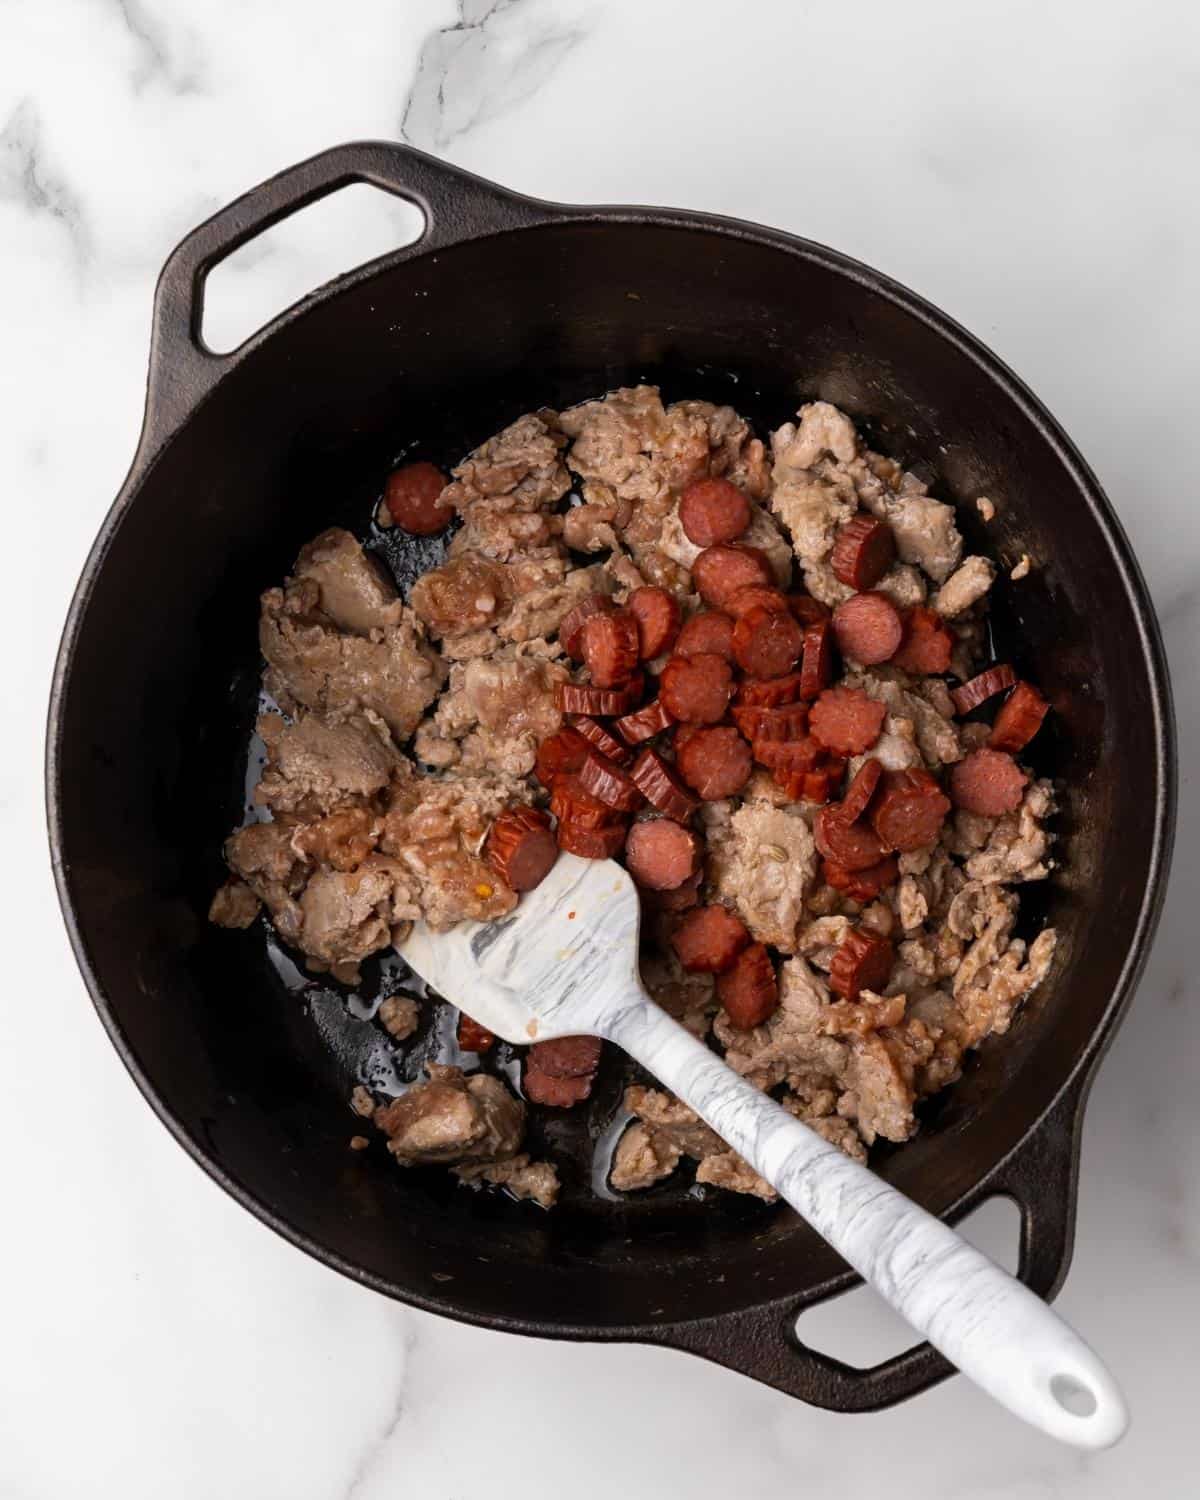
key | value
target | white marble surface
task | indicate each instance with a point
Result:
(1031, 169)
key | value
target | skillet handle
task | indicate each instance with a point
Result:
(457, 206)
(764, 1343)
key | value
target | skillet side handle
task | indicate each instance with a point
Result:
(457, 206)
(763, 1343)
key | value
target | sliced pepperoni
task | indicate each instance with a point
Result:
(756, 593)
(927, 643)
(658, 618)
(709, 939)
(561, 752)
(787, 723)
(571, 802)
(472, 1037)
(806, 609)
(804, 754)
(411, 496)
(861, 789)
(590, 843)
(767, 642)
(567, 1056)
(749, 990)
(853, 846)
(864, 961)
(609, 784)
(862, 885)
(863, 550)
(599, 738)
(909, 810)
(607, 703)
(521, 848)
(982, 687)
(611, 647)
(1019, 719)
(696, 689)
(715, 763)
(645, 724)
(988, 782)
(558, 1093)
(846, 720)
(816, 660)
(720, 571)
(661, 854)
(570, 631)
(771, 692)
(661, 786)
(712, 511)
(709, 633)
(868, 628)
(814, 786)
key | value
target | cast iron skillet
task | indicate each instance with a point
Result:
(505, 304)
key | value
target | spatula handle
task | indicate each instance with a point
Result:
(994, 1329)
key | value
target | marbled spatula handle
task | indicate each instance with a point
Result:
(994, 1329)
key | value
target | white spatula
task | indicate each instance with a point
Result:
(565, 963)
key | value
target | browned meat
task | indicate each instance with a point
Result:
(354, 590)
(320, 763)
(504, 490)
(347, 915)
(537, 1180)
(235, 905)
(494, 714)
(263, 855)
(667, 1129)
(399, 1015)
(451, 1119)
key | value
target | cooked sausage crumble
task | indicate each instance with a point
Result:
(754, 672)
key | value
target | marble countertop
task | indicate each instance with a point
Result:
(1030, 169)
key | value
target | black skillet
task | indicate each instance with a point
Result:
(505, 304)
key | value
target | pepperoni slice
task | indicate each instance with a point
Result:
(1019, 719)
(570, 631)
(853, 846)
(696, 689)
(863, 550)
(658, 618)
(816, 661)
(771, 692)
(756, 593)
(646, 723)
(868, 628)
(712, 511)
(864, 961)
(411, 496)
(590, 843)
(988, 782)
(787, 723)
(767, 642)
(719, 572)
(661, 855)
(814, 786)
(611, 647)
(715, 763)
(862, 885)
(709, 633)
(861, 789)
(846, 720)
(927, 643)
(567, 1056)
(909, 810)
(709, 939)
(472, 1037)
(806, 609)
(661, 786)
(800, 755)
(607, 703)
(558, 1093)
(749, 990)
(609, 784)
(599, 738)
(521, 848)
(561, 752)
(571, 802)
(982, 687)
